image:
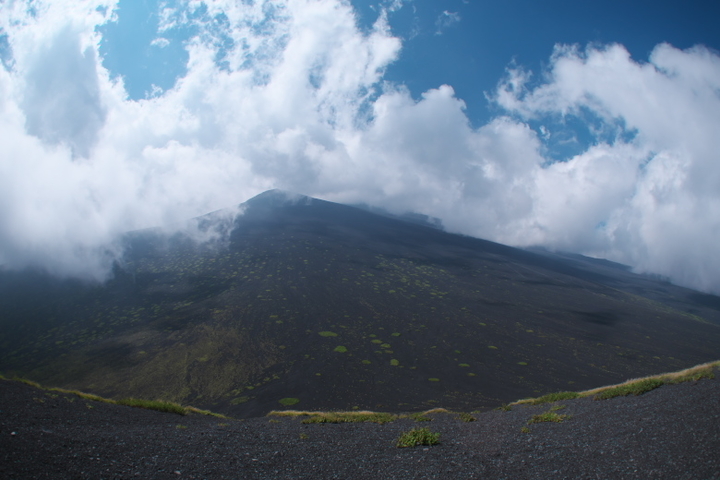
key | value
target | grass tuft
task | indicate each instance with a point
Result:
(200, 411)
(549, 398)
(27, 382)
(159, 405)
(417, 436)
(634, 388)
(692, 374)
(466, 417)
(419, 417)
(549, 416)
(351, 417)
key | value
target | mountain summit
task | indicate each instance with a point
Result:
(325, 306)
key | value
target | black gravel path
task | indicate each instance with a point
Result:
(670, 433)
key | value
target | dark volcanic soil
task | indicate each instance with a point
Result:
(672, 432)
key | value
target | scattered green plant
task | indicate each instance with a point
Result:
(340, 349)
(328, 334)
(417, 436)
(289, 401)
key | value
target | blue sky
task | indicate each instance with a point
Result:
(588, 127)
(464, 43)
(467, 44)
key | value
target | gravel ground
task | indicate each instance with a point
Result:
(670, 433)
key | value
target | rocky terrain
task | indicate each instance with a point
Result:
(672, 432)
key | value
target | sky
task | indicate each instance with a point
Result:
(589, 127)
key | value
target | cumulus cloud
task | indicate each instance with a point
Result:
(290, 94)
(658, 208)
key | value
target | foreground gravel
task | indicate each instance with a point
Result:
(670, 433)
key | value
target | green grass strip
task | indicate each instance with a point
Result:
(553, 397)
(159, 405)
(635, 388)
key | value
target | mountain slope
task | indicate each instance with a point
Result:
(334, 307)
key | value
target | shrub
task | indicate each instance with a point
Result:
(288, 401)
(418, 436)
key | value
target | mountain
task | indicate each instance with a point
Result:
(303, 302)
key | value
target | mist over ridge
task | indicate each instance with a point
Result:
(294, 95)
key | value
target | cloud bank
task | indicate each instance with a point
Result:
(290, 94)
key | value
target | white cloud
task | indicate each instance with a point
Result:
(301, 105)
(446, 20)
(663, 188)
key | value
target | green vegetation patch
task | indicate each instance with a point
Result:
(289, 401)
(634, 388)
(692, 374)
(394, 362)
(340, 349)
(549, 416)
(433, 379)
(417, 436)
(420, 417)
(466, 417)
(327, 333)
(351, 417)
(159, 405)
(552, 397)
